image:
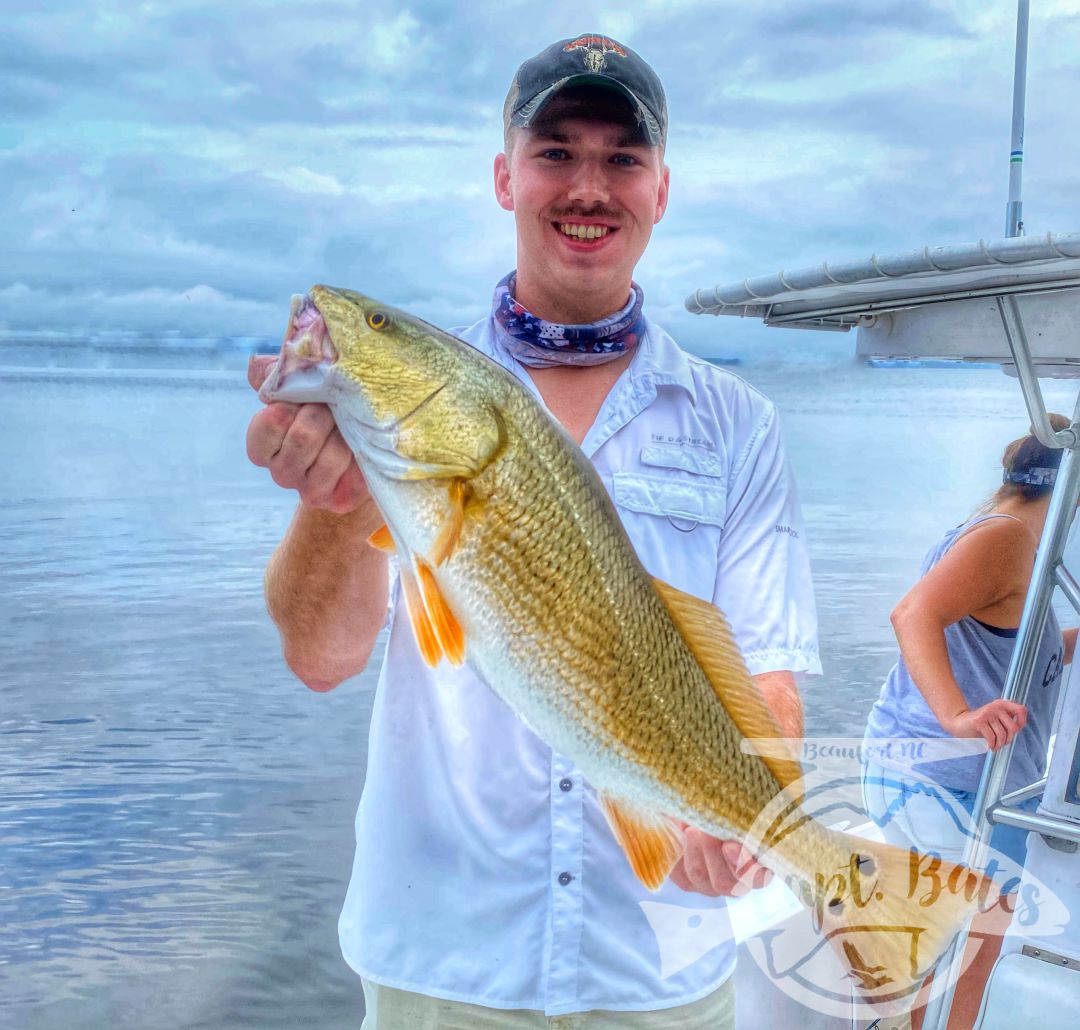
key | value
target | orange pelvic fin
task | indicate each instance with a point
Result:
(712, 643)
(447, 629)
(382, 539)
(426, 639)
(450, 533)
(653, 843)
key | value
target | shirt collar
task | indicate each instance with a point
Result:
(661, 362)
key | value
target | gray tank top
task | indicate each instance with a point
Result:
(980, 657)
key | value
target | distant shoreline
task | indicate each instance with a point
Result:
(115, 352)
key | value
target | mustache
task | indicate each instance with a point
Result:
(597, 211)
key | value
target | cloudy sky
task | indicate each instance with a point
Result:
(186, 166)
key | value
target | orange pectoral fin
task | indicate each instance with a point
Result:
(447, 629)
(426, 639)
(653, 843)
(382, 539)
(450, 533)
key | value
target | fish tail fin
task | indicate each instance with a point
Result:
(891, 913)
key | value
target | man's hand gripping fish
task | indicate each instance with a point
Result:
(513, 558)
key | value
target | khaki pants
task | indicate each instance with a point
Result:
(391, 1009)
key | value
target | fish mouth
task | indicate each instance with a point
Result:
(307, 356)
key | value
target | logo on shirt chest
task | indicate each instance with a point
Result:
(683, 440)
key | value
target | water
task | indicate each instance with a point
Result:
(175, 809)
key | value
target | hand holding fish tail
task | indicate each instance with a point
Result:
(722, 867)
(717, 868)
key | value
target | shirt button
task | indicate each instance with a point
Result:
(565, 878)
(566, 784)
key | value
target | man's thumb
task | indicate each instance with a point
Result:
(259, 368)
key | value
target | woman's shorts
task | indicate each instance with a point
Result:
(914, 812)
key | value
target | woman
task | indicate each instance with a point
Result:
(956, 629)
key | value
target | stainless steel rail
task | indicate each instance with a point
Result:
(1024, 793)
(990, 804)
(1047, 825)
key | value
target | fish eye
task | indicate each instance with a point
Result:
(378, 320)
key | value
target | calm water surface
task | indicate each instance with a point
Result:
(175, 809)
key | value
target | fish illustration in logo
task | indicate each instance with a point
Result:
(596, 50)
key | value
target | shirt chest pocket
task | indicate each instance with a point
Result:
(687, 486)
(686, 505)
(674, 516)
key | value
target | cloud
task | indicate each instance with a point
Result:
(200, 310)
(827, 21)
(254, 149)
(396, 44)
(303, 180)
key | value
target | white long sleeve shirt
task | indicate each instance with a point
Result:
(485, 871)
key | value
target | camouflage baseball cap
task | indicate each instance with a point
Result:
(588, 61)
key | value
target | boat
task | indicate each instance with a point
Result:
(1013, 303)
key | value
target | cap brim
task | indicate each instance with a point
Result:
(527, 112)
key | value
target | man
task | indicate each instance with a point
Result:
(487, 889)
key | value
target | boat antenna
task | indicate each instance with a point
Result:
(1014, 212)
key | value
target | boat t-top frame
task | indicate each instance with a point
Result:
(1015, 302)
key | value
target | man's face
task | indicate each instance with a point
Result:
(585, 195)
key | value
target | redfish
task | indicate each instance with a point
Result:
(513, 559)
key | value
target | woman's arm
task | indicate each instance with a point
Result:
(986, 566)
(1069, 637)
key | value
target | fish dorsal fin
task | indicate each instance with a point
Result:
(711, 642)
(382, 539)
(447, 628)
(426, 639)
(653, 842)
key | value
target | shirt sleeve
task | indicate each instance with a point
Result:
(763, 581)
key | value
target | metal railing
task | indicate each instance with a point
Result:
(991, 806)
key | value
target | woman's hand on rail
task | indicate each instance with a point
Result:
(997, 722)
